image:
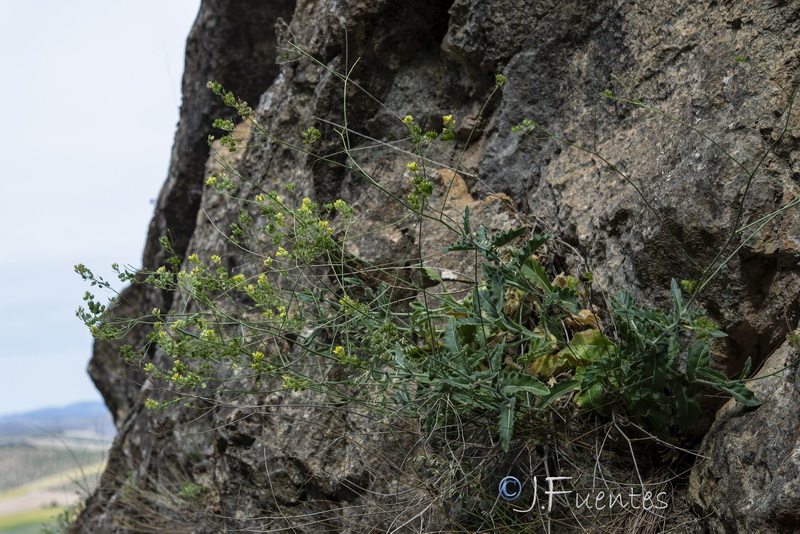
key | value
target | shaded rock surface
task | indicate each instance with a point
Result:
(748, 480)
(428, 59)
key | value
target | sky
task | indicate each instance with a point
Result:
(89, 98)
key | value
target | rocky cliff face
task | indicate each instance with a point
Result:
(262, 468)
(746, 479)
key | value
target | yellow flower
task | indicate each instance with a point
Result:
(282, 252)
(446, 119)
(306, 207)
(211, 180)
(259, 198)
(408, 119)
(412, 166)
(207, 335)
(267, 262)
(215, 258)
(193, 257)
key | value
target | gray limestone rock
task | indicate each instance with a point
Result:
(271, 462)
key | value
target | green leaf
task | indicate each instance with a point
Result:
(507, 409)
(507, 236)
(433, 274)
(528, 248)
(622, 302)
(562, 297)
(586, 347)
(450, 337)
(493, 296)
(482, 238)
(740, 393)
(496, 357)
(592, 397)
(556, 392)
(711, 374)
(466, 242)
(462, 244)
(307, 296)
(507, 324)
(458, 383)
(654, 374)
(696, 359)
(677, 297)
(517, 382)
(687, 404)
(539, 346)
(747, 366)
(399, 356)
(535, 274)
(673, 359)
(549, 365)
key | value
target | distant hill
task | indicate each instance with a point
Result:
(81, 419)
(50, 456)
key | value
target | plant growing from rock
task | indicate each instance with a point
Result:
(294, 311)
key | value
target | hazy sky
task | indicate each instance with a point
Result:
(89, 98)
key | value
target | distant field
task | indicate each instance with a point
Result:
(49, 460)
(38, 482)
(23, 464)
(29, 522)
